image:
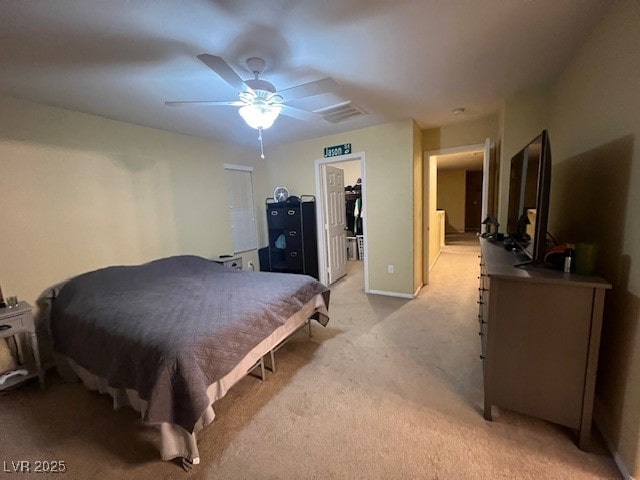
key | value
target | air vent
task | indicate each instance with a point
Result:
(341, 112)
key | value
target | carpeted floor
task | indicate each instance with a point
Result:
(391, 389)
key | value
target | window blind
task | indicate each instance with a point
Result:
(241, 211)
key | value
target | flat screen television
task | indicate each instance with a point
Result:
(529, 190)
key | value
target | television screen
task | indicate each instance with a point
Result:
(529, 188)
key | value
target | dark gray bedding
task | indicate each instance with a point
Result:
(170, 328)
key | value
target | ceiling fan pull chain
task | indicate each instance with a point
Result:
(261, 146)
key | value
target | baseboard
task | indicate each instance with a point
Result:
(415, 294)
(392, 294)
(435, 259)
(624, 470)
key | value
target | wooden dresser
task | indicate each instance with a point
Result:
(540, 337)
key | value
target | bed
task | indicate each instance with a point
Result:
(170, 337)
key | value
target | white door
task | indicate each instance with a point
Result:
(335, 222)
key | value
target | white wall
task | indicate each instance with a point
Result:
(352, 171)
(595, 130)
(389, 174)
(452, 198)
(79, 192)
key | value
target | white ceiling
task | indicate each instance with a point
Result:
(122, 59)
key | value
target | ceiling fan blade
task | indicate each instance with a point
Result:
(224, 71)
(310, 89)
(203, 103)
(300, 114)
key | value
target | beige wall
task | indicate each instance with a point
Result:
(451, 198)
(79, 192)
(524, 116)
(433, 234)
(352, 171)
(472, 132)
(594, 131)
(420, 274)
(389, 175)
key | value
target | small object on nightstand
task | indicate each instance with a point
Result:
(15, 322)
(231, 261)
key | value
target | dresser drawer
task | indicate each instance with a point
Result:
(14, 324)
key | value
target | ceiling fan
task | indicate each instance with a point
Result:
(259, 101)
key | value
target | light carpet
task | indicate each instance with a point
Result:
(391, 389)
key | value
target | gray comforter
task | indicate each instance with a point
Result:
(170, 328)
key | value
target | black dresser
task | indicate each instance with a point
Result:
(293, 246)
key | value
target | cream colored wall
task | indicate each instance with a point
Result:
(434, 219)
(420, 274)
(594, 131)
(352, 171)
(79, 192)
(471, 132)
(451, 198)
(525, 115)
(389, 176)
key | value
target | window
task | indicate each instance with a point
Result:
(241, 212)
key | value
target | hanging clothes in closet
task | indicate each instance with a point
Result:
(354, 208)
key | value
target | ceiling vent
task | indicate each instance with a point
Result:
(341, 112)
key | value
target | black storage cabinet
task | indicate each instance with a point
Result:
(293, 246)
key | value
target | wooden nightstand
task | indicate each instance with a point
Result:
(231, 261)
(15, 322)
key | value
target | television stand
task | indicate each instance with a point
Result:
(540, 338)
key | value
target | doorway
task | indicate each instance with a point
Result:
(460, 186)
(341, 194)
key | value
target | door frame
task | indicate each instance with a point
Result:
(320, 215)
(485, 147)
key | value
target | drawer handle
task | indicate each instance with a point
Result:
(294, 254)
(291, 212)
(293, 233)
(274, 212)
(4, 327)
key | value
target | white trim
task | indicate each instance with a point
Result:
(624, 470)
(449, 150)
(486, 161)
(415, 294)
(231, 166)
(409, 296)
(322, 247)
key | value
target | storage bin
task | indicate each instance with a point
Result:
(360, 246)
(352, 248)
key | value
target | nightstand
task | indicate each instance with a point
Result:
(231, 261)
(15, 322)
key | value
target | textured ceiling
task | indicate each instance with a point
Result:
(122, 59)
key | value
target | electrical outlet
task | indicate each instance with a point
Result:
(389, 268)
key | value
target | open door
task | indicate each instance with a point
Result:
(335, 223)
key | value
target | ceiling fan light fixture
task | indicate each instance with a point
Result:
(260, 116)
